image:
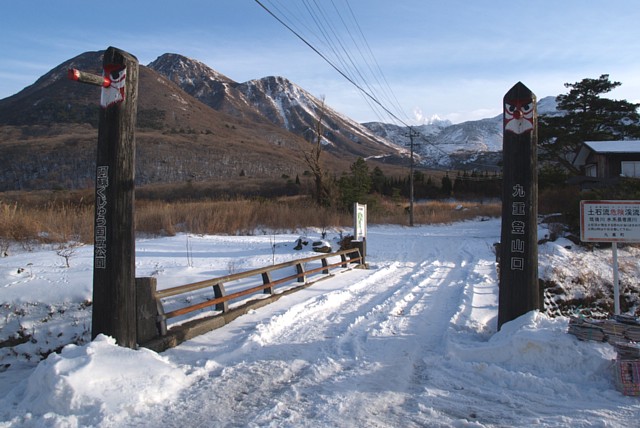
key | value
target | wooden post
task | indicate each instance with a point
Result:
(114, 293)
(519, 289)
(266, 279)
(220, 291)
(324, 265)
(148, 310)
(362, 247)
(300, 270)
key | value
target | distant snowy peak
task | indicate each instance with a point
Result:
(435, 120)
(548, 106)
(278, 95)
(295, 109)
(192, 76)
(278, 86)
(442, 144)
(183, 70)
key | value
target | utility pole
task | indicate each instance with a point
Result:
(411, 134)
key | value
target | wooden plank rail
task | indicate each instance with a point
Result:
(152, 329)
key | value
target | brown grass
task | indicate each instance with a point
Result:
(233, 217)
(31, 218)
(432, 212)
(53, 223)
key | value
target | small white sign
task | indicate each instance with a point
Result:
(359, 221)
(610, 221)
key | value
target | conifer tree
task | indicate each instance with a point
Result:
(356, 186)
(586, 116)
(446, 186)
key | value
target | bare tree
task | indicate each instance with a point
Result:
(67, 249)
(312, 159)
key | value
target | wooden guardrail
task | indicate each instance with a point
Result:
(152, 331)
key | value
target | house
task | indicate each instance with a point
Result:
(609, 159)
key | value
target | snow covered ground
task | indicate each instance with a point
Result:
(411, 342)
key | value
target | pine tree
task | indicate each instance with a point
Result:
(446, 186)
(378, 180)
(356, 186)
(587, 117)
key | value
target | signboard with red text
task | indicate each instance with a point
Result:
(610, 221)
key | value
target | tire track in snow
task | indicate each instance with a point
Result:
(366, 348)
(421, 299)
(405, 339)
(321, 317)
(414, 331)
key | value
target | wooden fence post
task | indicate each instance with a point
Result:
(266, 279)
(300, 270)
(519, 288)
(362, 247)
(148, 311)
(114, 293)
(219, 291)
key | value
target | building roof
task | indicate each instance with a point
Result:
(625, 146)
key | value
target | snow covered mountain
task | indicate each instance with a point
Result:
(191, 117)
(474, 144)
(256, 130)
(274, 100)
(446, 145)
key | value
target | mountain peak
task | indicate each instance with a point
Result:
(275, 100)
(548, 106)
(434, 120)
(186, 71)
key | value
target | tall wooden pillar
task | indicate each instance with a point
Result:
(114, 296)
(519, 289)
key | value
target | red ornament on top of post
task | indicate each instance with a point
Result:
(112, 81)
(116, 74)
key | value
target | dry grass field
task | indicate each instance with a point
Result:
(61, 216)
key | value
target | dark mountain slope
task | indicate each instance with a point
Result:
(48, 134)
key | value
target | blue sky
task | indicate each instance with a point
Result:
(455, 59)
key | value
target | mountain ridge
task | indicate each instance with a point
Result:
(475, 144)
(275, 100)
(49, 129)
(195, 123)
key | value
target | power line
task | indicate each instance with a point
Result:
(338, 47)
(326, 33)
(385, 87)
(332, 64)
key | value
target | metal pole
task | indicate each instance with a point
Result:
(411, 134)
(616, 280)
(411, 184)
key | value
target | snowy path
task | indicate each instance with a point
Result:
(411, 342)
(361, 352)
